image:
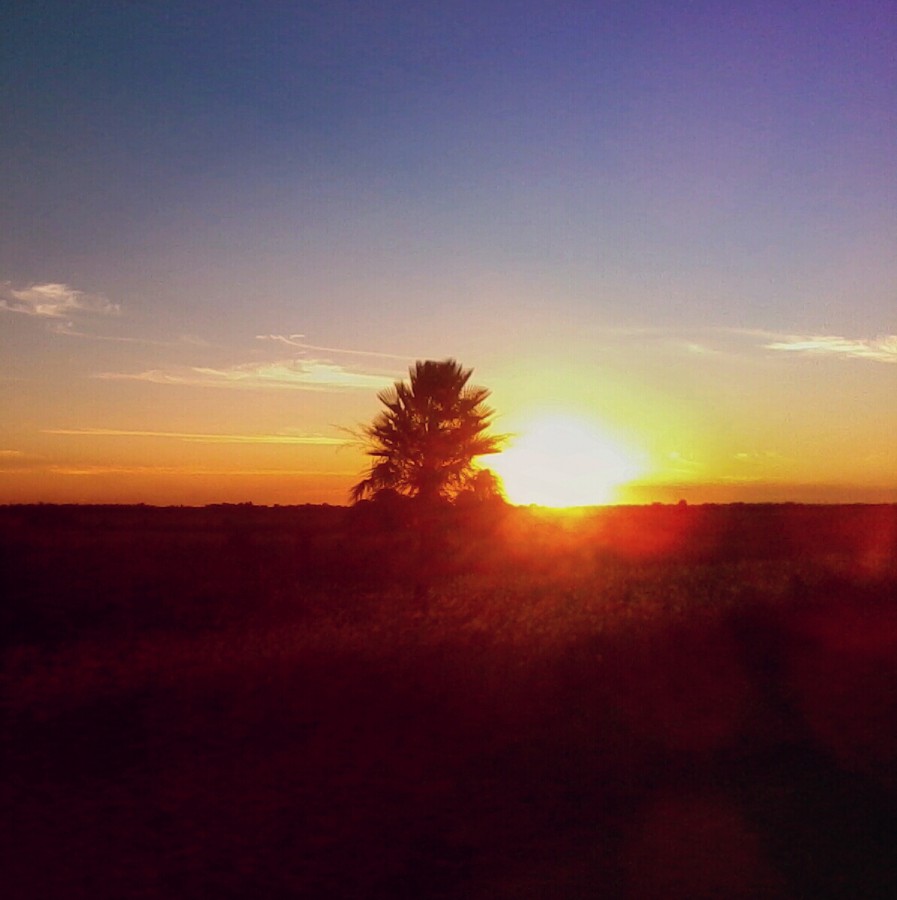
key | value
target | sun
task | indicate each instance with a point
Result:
(561, 461)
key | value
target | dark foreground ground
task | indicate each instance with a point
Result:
(635, 703)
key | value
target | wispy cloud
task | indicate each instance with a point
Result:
(760, 457)
(68, 329)
(291, 374)
(678, 462)
(701, 341)
(284, 437)
(95, 470)
(879, 349)
(696, 349)
(298, 340)
(12, 461)
(53, 301)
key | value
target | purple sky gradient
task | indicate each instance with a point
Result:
(676, 218)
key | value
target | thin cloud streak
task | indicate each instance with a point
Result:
(13, 461)
(87, 470)
(763, 456)
(291, 374)
(199, 438)
(67, 329)
(52, 301)
(880, 349)
(677, 463)
(293, 340)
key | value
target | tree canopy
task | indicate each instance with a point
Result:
(425, 442)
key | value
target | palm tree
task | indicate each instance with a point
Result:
(424, 443)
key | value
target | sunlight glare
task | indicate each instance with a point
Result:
(564, 461)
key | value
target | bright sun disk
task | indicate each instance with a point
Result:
(563, 461)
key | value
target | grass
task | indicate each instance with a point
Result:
(635, 703)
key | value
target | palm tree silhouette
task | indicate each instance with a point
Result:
(425, 442)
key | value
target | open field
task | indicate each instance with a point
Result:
(633, 702)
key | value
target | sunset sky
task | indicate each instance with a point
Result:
(225, 226)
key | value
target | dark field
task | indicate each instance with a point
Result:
(650, 702)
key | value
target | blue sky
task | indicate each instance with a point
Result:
(679, 219)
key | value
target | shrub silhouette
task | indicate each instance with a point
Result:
(423, 447)
(425, 442)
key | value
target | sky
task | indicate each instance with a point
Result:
(225, 226)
